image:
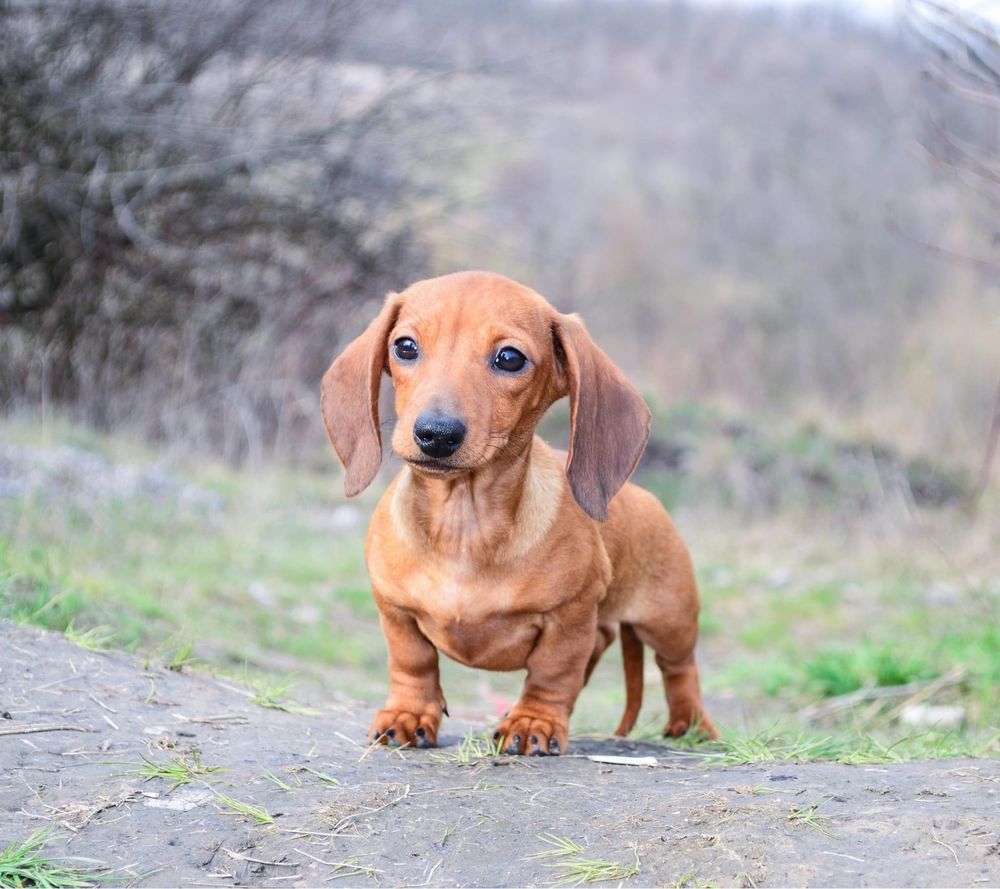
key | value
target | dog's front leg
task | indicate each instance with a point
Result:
(538, 724)
(412, 713)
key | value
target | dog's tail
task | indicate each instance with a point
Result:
(632, 658)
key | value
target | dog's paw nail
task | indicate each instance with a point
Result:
(391, 733)
(376, 735)
(423, 742)
(553, 746)
(535, 749)
(496, 736)
(421, 733)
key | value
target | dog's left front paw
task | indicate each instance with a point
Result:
(533, 733)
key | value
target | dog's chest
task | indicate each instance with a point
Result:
(498, 643)
(469, 617)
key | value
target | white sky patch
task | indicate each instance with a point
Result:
(880, 10)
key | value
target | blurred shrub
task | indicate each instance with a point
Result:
(734, 198)
(191, 198)
(729, 195)
(700, 453)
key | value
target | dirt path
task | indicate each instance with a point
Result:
(407, 818)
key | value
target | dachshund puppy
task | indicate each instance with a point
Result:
(489, 545)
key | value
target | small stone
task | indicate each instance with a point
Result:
(933, 716)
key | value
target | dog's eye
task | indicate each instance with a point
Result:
(509, 360)
(405, 349)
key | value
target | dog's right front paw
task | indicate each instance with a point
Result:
(404, 728)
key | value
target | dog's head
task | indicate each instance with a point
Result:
(475, 360)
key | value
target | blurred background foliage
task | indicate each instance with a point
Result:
(788, 213)
(784, 224)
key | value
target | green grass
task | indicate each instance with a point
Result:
(810, 816)
(247, 810)
(181, 657)
(693, 881)
(787, 630)
(95, 639)
(25, 864)
(835, 670)
(776, 745)
(266, 573)
(178, 770)
(840, 670)
(275, 697)
(867, 750)
(349, 867)
(275, 780)
(322, 776)
(566, 857)
(471, 748)
(798, 607)
(482, 786)
(738, 749)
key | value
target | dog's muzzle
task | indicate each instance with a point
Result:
(438, 435)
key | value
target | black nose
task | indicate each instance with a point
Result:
(438, 435)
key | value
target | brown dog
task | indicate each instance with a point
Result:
(483, 546)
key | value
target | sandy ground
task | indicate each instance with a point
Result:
(407, 818)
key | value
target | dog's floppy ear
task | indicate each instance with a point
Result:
(609, 421)
(349, 400)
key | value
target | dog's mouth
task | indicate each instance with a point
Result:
(435, 467)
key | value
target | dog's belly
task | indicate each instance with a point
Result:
(489, 643)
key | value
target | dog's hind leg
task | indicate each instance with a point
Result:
(634, 679)
(674, 647)
(680, 679)
(605, 636)
(632, 660)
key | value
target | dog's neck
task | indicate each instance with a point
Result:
(493, 515)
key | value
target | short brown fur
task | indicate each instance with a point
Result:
(508, 554)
